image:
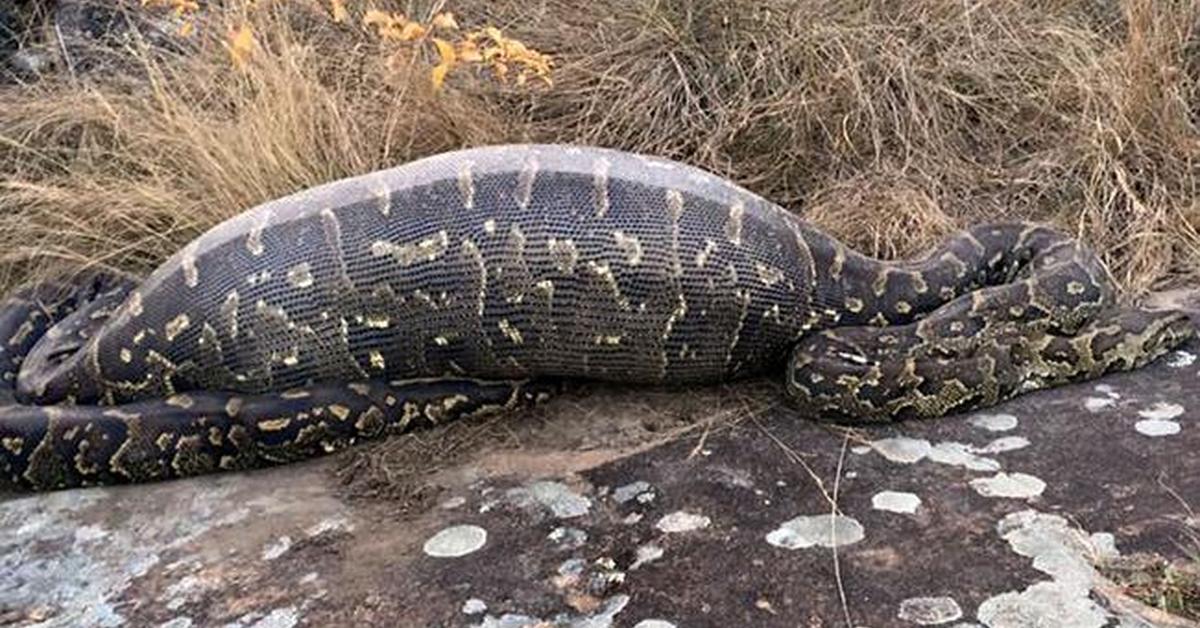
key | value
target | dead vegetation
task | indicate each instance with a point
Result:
(890, 123)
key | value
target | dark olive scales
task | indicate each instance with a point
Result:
(445, 286)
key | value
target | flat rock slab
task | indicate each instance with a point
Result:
(993, 519)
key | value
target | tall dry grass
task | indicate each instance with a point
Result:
(890, 123)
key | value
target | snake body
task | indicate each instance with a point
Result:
(471, 281)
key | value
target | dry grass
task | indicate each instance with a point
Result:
(889, 123)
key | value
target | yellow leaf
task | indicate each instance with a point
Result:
(411, 31)
(494, 33)
(468, 52)
(444, 20)
(338, 8)
(187, 28)
(501, 70)
(375, 16)
(445, 51)
(438, 75)
(241, 45)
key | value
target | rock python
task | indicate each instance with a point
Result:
(471, 281)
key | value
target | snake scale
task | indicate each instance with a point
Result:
(472, 281)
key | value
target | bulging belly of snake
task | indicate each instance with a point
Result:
(458, 284)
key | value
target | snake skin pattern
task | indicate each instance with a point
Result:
(472, 281)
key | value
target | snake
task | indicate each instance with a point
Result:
(480, 280)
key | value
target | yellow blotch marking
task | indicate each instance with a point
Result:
(229, 312)
(946, 292)
(359, 388)
(466, 186)
(426, 249)
(254, 243)
(489, 226)
(377, 360)
(441, 341)
(233, 406)
(14, 444)
(191, 274)
(134, 305)
(702, 256)
(377, 321)
(180, 401)
(389, 400)
(733, 227)
(339, 411)
(546, 287)
(125, 355)
(956, 327)
(1074, 287)
(274, 425)
(295, 394)
(630, 245)
(564, 253)
(610, 340)
(300, 275)
(903, 307)
(292, 358)
(215, 436)
(674, 205)
(854, 304)
(769, 275)
(164, 440)
(1016, 311)
(21, 334)
(525, 180)
(370, 420)
(600, 186)
(513, 333)
(176, 326)
(679, 312)
(453, 401)
(383, 198)
(919, 284)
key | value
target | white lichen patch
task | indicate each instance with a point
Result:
(474, 606)
(895, 501)
(902, 449)
(680, 521)
(960, 455)
(556, 497)
(456, 541)
(645, 554)
(994, 422)
(930, 611)
(1096, 404)
(1002, 444)
(1010, 485)
(816, 530)
(1180, 359)
(654, 623)
(1157, 427)
(277, 548)
(1109, 399)
(1162, 411)
(1063, 553)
